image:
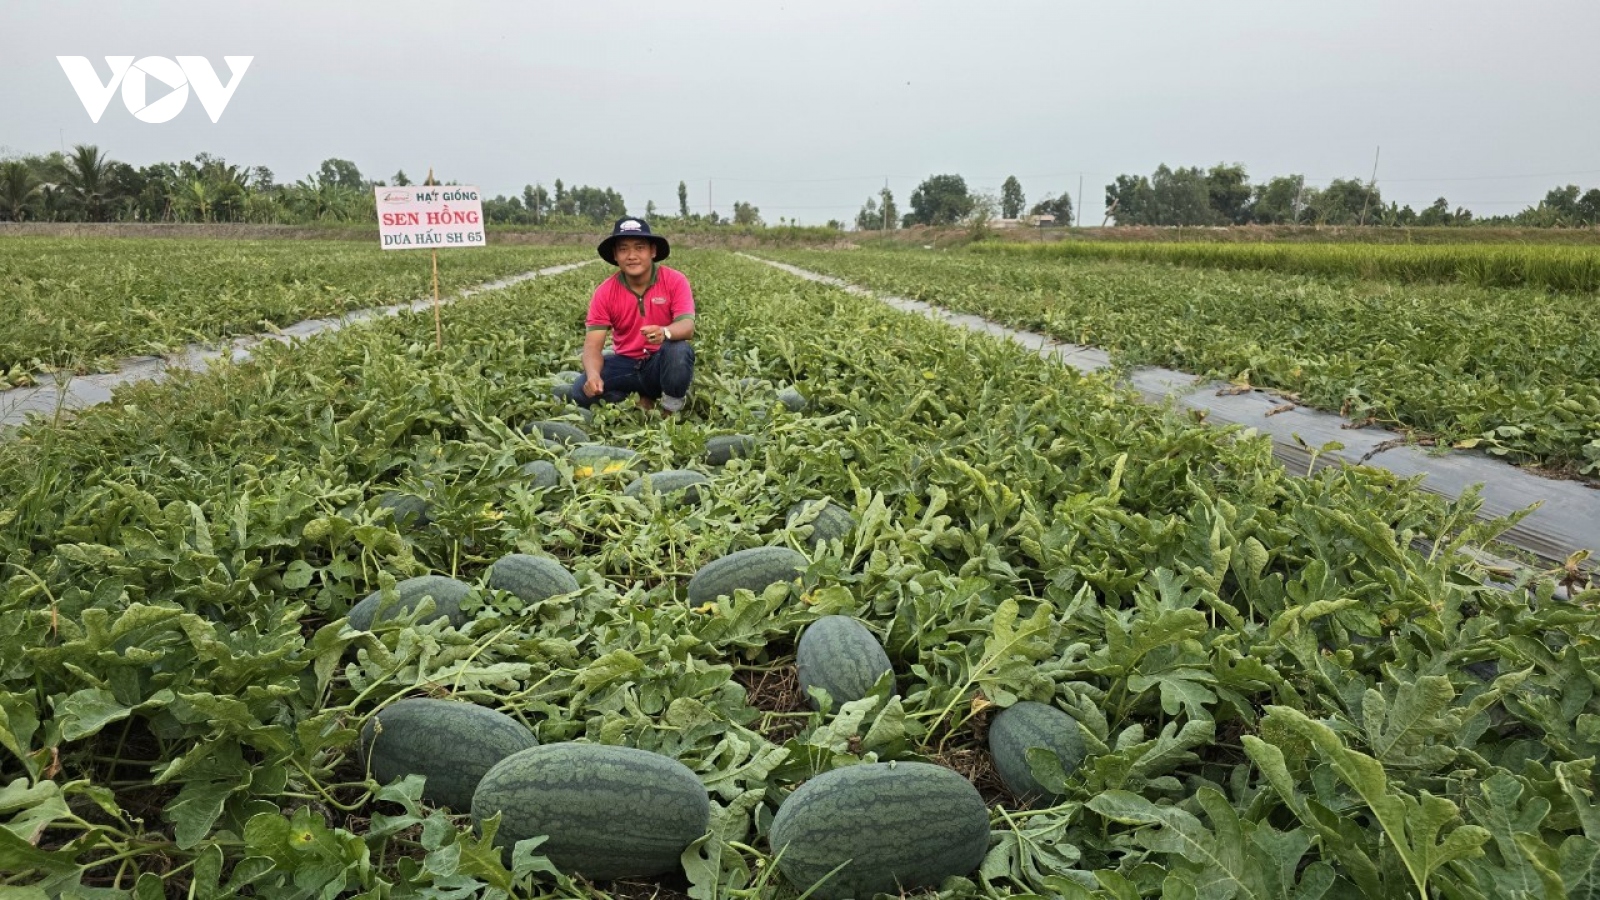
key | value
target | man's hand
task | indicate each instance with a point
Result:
(653, 334)
(594, 387)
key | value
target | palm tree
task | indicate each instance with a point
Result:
(261, 206)
(230, 185)
(86, 174)
(17, 189)
(194, 198)
(319, 198)
(51, 197)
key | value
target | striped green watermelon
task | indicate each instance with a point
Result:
(541, 474)
(610, 812)
(792, 399)
(839, 655)
(678, 484)
(1028, 725)
(447, 594)
(598, 459)
(752, 569)
(531, 578)
(561, 383)
(558, 431)
(449, 742)
(725, 447)
(409, 510)
(828, 522)
(893, 826)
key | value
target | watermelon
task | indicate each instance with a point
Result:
(1029, 725)
(894, 826)
(599, 459)
(541, 474)
(410, 511)
(839, 655)
(447, 594)
(610, 812)
(558, 431)
(830, 523)
(449, 742)
(752, 569)
(724, 447)
(792, 399)
(531, 578)
(678, 484)
(568, 376)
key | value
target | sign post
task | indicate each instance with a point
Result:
(430, 216)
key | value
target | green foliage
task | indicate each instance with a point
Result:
(1229, 191)
(1278, 201)
(1345, 201)
(1168, 197)
(940, 200)
(1060, 207)
(1272, 684)
(1554, 268)
(1517, 375)
(746, 214)
(879, 214)
(1012, 200)
(169, 293)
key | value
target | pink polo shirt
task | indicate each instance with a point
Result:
(615, 307)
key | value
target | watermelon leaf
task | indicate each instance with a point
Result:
(1034, 852)
(1412, 823)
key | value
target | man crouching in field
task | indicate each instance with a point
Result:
(648, 310)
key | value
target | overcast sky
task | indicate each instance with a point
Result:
(805, 107)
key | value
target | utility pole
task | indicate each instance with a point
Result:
(1079, 209)
(885, 199)
(1371, 185)
(709, 206)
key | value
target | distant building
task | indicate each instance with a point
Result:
(1042, 220)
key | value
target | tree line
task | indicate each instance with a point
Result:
(86, 185)
(1224, 195)
(1219, 196)
(946, 200)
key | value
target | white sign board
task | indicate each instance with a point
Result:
(429, 217)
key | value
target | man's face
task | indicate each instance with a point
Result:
(634, 256)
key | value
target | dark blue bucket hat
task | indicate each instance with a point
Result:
(634, 227)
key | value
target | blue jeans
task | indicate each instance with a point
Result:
(666, 372)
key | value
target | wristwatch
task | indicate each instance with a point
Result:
(666, 334)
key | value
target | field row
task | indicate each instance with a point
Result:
(79, 305)
(1276, 691)
(1515, 373)
(1545, 267)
